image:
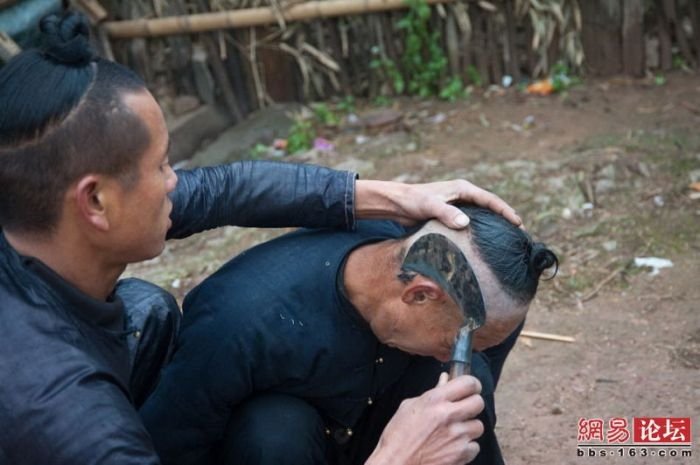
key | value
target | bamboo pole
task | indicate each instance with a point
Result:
(8, 47)
(546, 336)
(203, 22)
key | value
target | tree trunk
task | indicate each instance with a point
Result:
(602, 44)
(633, 38)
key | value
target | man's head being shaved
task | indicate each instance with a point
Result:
(507, 264)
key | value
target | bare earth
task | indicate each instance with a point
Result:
(630, 147)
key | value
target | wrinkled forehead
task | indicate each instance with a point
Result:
(441, 260)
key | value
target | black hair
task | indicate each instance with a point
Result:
(516, 261)
(510, 253)
(61, 117)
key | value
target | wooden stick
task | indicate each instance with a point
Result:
(510, 49)
(105, 44)
(220, 75)
(92, 8)
(248, 17)
(546, 336)
(695, 21)
(672, 17)
(633, 37)
(8, 47)
(600, 285)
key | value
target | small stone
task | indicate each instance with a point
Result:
(694, 175)
(556, 410)
(184, 104)
(529, 122)
(359, 140)
(484, 121)
(566, 213)
(438, 118)
(176, 283)
(644, 169)
(603, 186)
(659, 201)
(610, 246)
(411, 147)
(608, 172)
(556, 183)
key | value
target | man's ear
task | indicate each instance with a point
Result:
(421, 290)
(91, 199)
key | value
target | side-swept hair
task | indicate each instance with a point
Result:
(62, 117)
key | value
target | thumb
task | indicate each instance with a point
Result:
(444, 377)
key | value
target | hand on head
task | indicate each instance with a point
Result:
(411, 203)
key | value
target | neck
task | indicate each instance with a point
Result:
(72, 258)
(370, 280)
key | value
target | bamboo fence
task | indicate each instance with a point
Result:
(249, 53)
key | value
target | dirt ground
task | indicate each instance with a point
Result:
(629, 149)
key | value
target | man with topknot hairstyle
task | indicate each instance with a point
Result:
(85, 189)
(300, 350)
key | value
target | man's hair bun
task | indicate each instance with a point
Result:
(67, 38)
(541, 259)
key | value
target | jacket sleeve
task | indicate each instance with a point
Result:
(75, 416)
(262, 194)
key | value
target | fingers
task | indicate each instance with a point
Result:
(444, 377)
(471, 451)
(467, 430)
(450, 216)
(468, 192)
(464, 436)
(458, 388)
(466, 409)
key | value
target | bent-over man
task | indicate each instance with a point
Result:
(299, 351)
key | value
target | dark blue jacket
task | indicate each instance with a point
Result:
(65, 364)
(274, 320)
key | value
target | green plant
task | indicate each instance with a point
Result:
(475, 76)
(454, 90)
(424, 62)
(325, 115)
(301, 136)
(562, 78)
(679, 63)
(389, 71)
(382, 101)
(347, 104)
(258, 151)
